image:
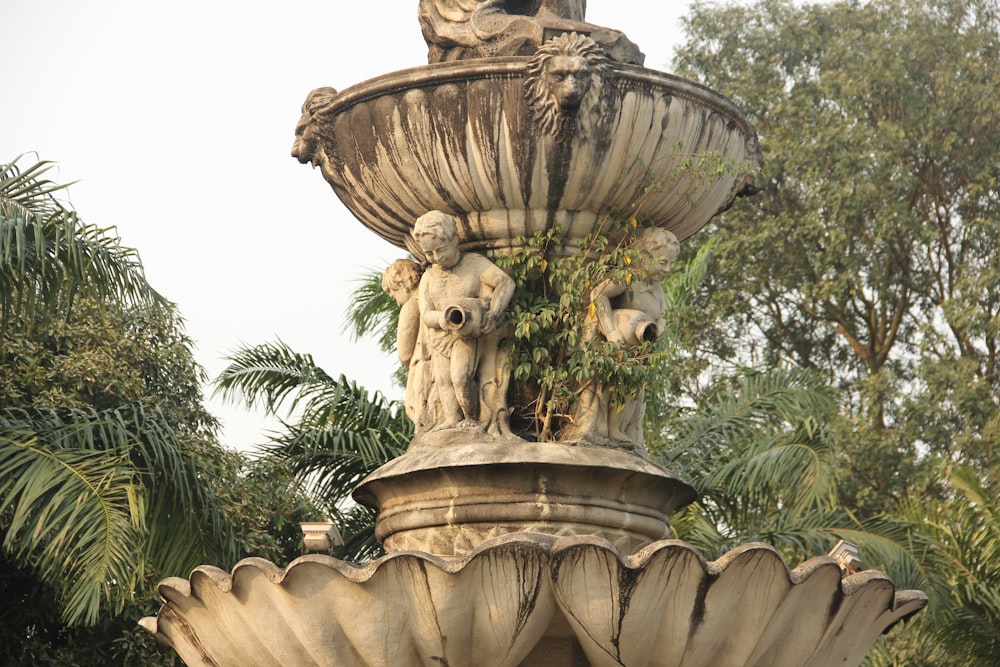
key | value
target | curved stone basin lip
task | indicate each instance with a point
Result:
(447, 72)
(504, 452)
(537, 456)
(663, 604)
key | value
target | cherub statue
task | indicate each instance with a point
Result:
(628, 315)
(401, 280)
(461, 299)
(460, 29)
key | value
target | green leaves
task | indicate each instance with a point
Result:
(552, 355)
(340, 433)
(761, 452)
(83, 490)
(48, 258)
(72, 513)
(870, 256)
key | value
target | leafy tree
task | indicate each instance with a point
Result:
(110, 474)
(872, 257)
(872, 254)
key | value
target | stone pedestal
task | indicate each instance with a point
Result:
(450, 499)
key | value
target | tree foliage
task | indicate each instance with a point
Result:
(49, 258)
(110, 474)
(872, 257)
(338, 435)
(873, 253)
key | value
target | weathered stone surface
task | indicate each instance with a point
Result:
(448, 499)
(462, 138)
(532, 600)
(460, 29)
(460, 299)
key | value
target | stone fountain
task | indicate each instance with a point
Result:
(505, 548)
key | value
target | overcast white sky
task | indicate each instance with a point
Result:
(177, 119)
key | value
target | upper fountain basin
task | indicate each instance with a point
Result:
(485, 140)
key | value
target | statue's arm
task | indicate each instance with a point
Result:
(502, 287)
(430, 317)
(409, 328)
(601, 297)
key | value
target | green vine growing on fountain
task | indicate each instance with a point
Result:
(551, 362)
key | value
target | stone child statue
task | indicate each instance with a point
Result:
(401, 280)
(461, 299)
(627, 315)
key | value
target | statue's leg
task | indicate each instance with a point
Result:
(451, 412)
(463, 379)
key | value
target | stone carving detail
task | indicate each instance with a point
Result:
(533, 600)
(627, 315)
(461, 29)
(565, 85)
(401, 281)
(461, 298)
(308, 133)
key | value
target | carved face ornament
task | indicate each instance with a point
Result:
(568, 79)
(662, 248)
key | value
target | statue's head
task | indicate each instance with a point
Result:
(437, 236)
(561, 74)
(661, 248)
(400, 280)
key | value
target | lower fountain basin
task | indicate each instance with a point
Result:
(532, 601)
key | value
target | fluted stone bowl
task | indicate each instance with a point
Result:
(532, 601)
(461, 137)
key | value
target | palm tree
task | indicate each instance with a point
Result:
(763, 463)
(339, 435)
(965, 562)
(92, 497)
(49, 259)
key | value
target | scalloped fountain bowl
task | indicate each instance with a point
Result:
(532, 600)
(461, 137)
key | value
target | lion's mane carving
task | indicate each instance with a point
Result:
(307, 146)
(566, 85)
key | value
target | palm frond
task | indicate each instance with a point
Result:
(373, 311)
(343, 436)
(682, 283)
(961, 565)
(764, 440)
(48, 257)
(77, 517)
(24, 193)
(90, 472)
(340, 434)
(266, 375)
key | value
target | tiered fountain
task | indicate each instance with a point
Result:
(506, 549)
